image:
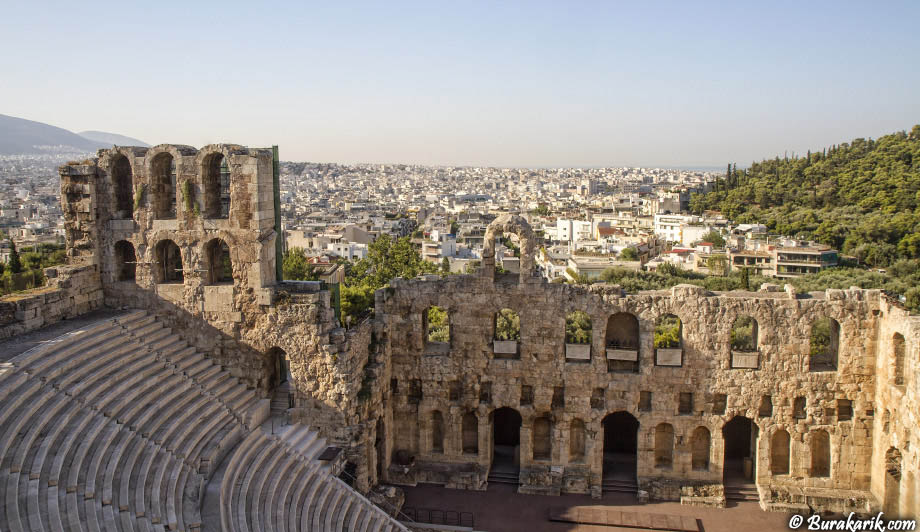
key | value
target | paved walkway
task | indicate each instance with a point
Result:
(502, 509)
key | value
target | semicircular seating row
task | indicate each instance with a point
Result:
(116, 426)
(277, 484)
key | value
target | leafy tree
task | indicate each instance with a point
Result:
(578, 328)
(445, 265)
(717, 264)
(862, 197)
(715, 238)
(541, 210)
(387, 258)
(629, 254)
(295, 266)
(15, 263)
(507, 325)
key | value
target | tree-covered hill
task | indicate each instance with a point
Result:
(862, 197)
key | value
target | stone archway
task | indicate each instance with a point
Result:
(506, 445)
(740, 459)
(621, 446)
(508, 223)
(892, 502)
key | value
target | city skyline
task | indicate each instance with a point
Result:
(516, 85)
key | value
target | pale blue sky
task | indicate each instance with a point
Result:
(563, 83)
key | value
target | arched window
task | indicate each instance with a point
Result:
(622, 331)
(779, 453)
(123, 183)
(436, 324)
(897, 352)
(507, 327)
(168, 268)
(507, 250)
(470, 427)
(744, 334)
(578, 336)
(437, 432)
(820, 454)
(825, 339)
(622, 341)
(542, 438)
(664, 445)
(577, 440)
(215, 178)
(218, 263)
(163, 184)
(125, 261)
(699, 444)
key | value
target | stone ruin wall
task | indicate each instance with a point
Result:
(784, 324)
(343, 380)
(238, 323)
(897, 415)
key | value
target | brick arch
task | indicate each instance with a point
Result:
(508, 223)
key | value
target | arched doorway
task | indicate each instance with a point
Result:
(892, 503)
(506, 445)
(621, 445)
(380, 448)
(280, 370)
(740, 436)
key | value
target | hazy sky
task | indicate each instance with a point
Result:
(563, 83)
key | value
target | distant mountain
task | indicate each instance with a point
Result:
(19, 136)
(112, 138)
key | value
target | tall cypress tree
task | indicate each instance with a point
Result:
(15, 261)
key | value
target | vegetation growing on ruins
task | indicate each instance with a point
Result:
(578, 328)
(743, 335)
(438, 327)
(667, 333)
(188, 197)
(507, 325)
(820, 337)
(139, 196)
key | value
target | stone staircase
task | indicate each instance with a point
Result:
(504, 477)
(741, 492)
(115, 426)
(619, 485)
(276, 482)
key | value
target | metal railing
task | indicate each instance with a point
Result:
(437, 516)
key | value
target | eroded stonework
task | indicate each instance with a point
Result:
(406, 410)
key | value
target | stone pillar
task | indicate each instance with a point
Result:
(78, 203)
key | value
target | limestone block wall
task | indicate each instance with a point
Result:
(895, 459)
(70, 292)
(590, 392)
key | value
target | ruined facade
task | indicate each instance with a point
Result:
(191, 235)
